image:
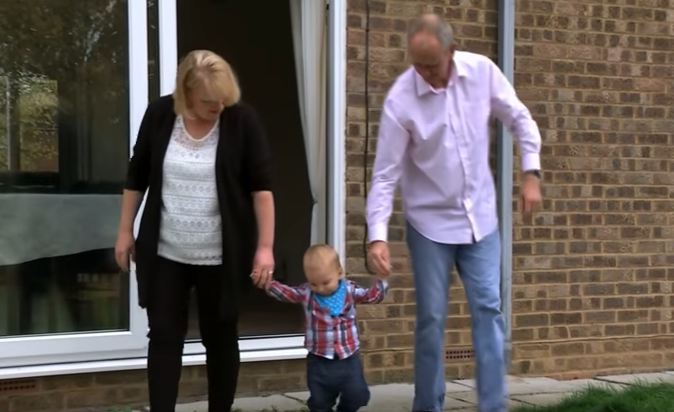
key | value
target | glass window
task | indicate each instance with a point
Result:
(64, 148)
(259, 316)
(153, 49)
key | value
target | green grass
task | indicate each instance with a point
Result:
(639, 397)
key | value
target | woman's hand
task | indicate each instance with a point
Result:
(263, 267)
(124, 248)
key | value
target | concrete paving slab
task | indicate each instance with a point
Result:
(403, 404)
(470, 383)
(404, 389)
(274, 403)
(395, 398)
(192, 407)
(298, 396)
(543, 399)
(639, 377)
(511, 380)
(512, 404)
(460, 394)
(582, 384)
(451, 387)
(466, 396)
(471, 398)
(535, 385)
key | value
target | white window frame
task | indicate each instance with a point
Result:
(52, 355)
(55, 348)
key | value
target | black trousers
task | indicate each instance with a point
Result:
(168, 319)
(329, 379)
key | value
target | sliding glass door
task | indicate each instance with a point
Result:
(73, 88)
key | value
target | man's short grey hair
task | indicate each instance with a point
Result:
(434, 24)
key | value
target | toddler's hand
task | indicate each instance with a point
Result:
(263, 285)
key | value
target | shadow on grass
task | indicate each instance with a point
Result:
(639, 397)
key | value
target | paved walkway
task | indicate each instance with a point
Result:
(460, 394)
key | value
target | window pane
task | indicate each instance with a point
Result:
(65, 294)
(153, 49)
(64, 138)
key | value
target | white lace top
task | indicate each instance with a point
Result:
(191, 227)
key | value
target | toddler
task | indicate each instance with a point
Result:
(334, 367)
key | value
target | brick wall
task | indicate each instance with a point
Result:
(593, 277)
(591, 271)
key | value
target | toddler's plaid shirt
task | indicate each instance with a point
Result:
(326, 335)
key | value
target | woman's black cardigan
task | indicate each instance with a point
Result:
(242, 166)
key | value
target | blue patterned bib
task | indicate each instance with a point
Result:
(333, 303)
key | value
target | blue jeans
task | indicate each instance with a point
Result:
(478, 265)
(328, 379)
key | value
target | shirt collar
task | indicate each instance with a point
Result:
(458, 71)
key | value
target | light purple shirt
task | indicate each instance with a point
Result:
(435, 142)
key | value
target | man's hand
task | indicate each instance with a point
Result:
(531, 192)
(379, 258)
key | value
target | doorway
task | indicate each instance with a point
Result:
(259, 46)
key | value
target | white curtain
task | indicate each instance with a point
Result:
(310, 43)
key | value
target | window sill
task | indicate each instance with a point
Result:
(259, 355)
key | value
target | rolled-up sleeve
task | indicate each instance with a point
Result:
(515, 116)
(138, 171)
(257, 161)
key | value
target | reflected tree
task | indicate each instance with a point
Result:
(53, 54)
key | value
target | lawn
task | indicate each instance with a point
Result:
(641, 397)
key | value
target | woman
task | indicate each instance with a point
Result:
(203, 158)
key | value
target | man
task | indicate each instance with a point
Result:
(434, 138)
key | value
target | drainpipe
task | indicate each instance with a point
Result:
(336, 120)
(506, 61)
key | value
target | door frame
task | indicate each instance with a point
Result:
(285, 347)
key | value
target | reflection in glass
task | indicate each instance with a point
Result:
(66, 294)
(64, 137)
(259, 315)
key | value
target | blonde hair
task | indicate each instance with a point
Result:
(203, 67)
(321, 254)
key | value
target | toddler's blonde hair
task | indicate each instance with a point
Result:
(322, 254)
